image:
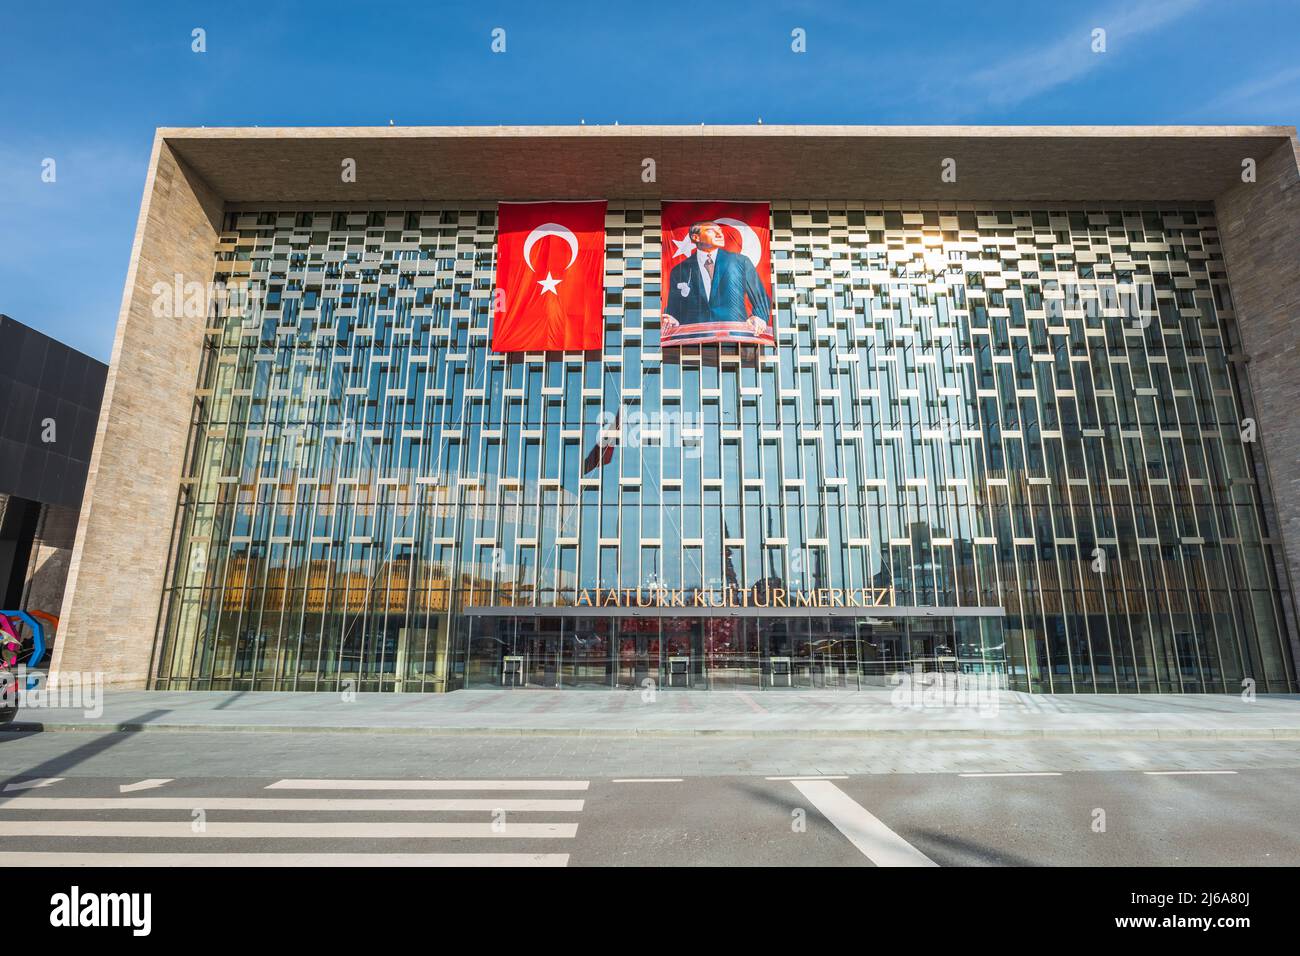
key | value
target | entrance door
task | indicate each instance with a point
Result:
(547, 652)
(638, 651)
(732, 645)
(884, 653)
(682, 661)
(532, 653)
(933, 647)
(833, 653)
(589, 652)
(780, 668)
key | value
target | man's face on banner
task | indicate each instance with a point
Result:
(715, 259)
(708, 235)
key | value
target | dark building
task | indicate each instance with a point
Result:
(49, 406)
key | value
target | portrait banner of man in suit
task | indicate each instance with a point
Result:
(716, 273)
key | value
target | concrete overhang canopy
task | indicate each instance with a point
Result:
(288, 166)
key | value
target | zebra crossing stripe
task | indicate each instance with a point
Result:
(428, 785)
(284, 859)
(321, 805)
(494, 797)
(285, 831)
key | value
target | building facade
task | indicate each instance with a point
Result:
(1021, 439)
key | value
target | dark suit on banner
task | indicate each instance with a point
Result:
(734, 280)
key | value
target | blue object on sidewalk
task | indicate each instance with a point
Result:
(38, 640)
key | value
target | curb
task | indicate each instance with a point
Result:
(969, 733)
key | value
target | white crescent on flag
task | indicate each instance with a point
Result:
(551, 229)
(750, 247)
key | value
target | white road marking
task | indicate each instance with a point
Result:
(376, 804)
(428, 785)
(1186, 773)
(809, 777)
(647, 780)
(1040, 773)
(879, 844)
(284, 859)
(150, 784)
(286, 831)
(31, 784)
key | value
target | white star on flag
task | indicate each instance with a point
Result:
(684, 246)
(548, 284)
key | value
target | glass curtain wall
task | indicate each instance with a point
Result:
(1035, 410)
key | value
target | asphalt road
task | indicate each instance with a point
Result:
(297, 798)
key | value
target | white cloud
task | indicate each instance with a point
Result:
(1019, 78)
(1276, 93)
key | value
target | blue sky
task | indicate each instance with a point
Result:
(87, 83)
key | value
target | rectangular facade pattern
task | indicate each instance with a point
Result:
(1037, 411)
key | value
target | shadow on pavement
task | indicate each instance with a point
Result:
(98, 744)
(966, 852)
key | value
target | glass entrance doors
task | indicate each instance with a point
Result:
(833, 653)
(933, 647)
(721, 653)
(588, 646)
(638, 652)
(734, 657)
(810, 653)
(884, 651)
(517, 652)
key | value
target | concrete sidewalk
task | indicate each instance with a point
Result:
(681, 713)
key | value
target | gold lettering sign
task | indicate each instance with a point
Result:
(733, 597)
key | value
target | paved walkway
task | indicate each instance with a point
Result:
(674, 713)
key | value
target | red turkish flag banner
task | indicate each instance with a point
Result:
(550, 282)
(716, 273)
